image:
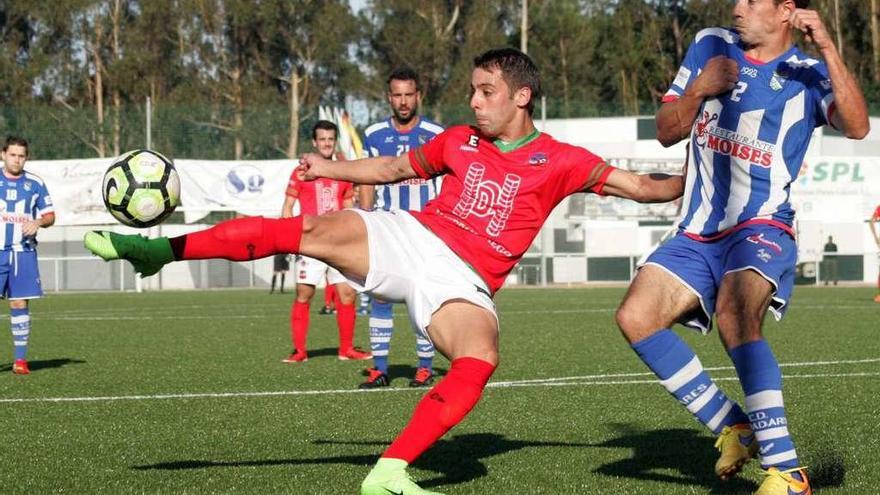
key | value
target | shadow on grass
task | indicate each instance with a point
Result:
(691, 454)
(44, 364)
(688, 454)
(456, 460)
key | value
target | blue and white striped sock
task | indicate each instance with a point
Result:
(682, 374)
(425, 352)
(761, 381)
(20, 321)
(381, 328)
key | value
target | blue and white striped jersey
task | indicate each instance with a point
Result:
(747, 145)
(21, 200)
(382, 139)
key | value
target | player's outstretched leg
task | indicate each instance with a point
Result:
(241, 239)
(147, 256)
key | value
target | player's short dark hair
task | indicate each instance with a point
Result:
(327, 126)
(517, 69)
(17, 141)
(404, 74)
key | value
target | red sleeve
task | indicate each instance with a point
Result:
(427, 160)
(588, 171)
(877, 213)
(347, 190)
(292, 186)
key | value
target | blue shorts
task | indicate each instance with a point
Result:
(20, 275)
(700, 266)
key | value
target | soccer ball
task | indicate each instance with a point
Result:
(141, 188)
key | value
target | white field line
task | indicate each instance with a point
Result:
(602, 379)
(254, 312)
(648, 373)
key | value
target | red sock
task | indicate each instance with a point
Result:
(330, 296)
(241, 239)
(442, 408)
(345, 319)
(299, 325)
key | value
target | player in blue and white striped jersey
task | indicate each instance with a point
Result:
(25, 207)
(395, 136)
(749, 100)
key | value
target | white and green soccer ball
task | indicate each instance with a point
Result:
(141, 188)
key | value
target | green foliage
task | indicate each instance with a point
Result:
(221, 74)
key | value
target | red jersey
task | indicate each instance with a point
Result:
(494, 202)
(876, 213)
(319, 196)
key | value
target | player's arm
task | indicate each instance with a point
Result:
(287, 207)
(851, 112)
(45, 221)
(872, 223)
(366, 196)
(675, 118)
(644, 188)
(374, 170)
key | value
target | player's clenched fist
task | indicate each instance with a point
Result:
(719, 75)
(809, 23)
(309, 166)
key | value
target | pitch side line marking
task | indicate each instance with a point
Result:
(521, 383)
(717, 368)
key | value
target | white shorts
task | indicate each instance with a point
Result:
(409, 264)
(311, 271)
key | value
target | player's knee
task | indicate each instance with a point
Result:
(629, 320)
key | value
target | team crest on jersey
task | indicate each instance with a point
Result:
(537, 159)
(701, 129)
(422, 139)
(777, 80)
(389, 139)
(730, 143)
(759, 239)
(487, 198)
(27, 186)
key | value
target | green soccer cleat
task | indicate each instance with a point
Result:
(147, 256)
(389, 477)
(737, 445)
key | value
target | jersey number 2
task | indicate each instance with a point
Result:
(738, 91)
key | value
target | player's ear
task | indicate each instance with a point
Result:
(522, 96)
(786, 9)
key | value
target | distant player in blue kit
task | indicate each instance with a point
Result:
(749, 100)
(396, 136)
(26, 207)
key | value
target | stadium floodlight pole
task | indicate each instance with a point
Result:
(524, 27)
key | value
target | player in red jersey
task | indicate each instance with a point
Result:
(875, 219)
(320, 197)
(502, 180)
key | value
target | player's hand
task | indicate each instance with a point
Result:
(719, 75)
(809, 23)
(310, 165)
(30, 228)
